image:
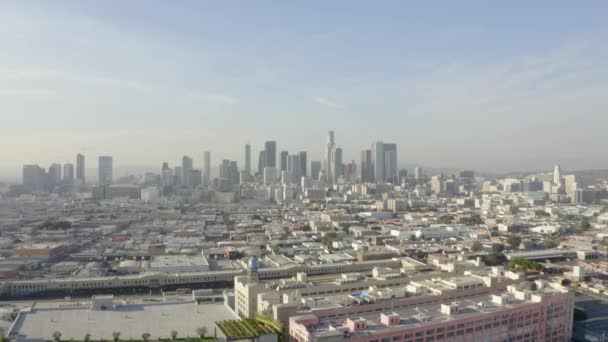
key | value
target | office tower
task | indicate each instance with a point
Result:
(206, 167)
(437, 185)
(402, 176)
(178, 176)
(248, 159)
(261, 163)
(68, 173)
(80, 168)
(196, 177)
(417, 173)
(303, 164)
(104, 169)
(229, 172)
(271, 153)
(328, 165)
(55, 174)
(283, 161)
(557, 187)
(167, 177)
(570, 184)
(165, 166)
(366, 166)
(270, 175)
(151, 178)
(187, 167)
(34, 178)
(350, 171)
(315, 169)
(390, 163)
(293, 167)
(378, 161)
(337, 166)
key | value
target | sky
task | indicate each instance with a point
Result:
(517, 85)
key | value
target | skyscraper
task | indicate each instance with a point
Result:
(283, 161)
(248, 159)
(315, 169)
(80, 168)
(34, 178)
(55, 174)
(366, 166)
(417, 173)
(68, 173)
(104, 170)
(378, 161)
(293, 167)
(390, 163)
(206, 167)
(261, 163)
(187, 167)
(303, 164)
(271, 153)
(328, 166)
(337, 169)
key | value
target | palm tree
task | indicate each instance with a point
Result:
(116, 336)
(173, 334)
(87, 338)
(57, 336)
(201, 331)
(145, 337)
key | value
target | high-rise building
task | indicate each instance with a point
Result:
(417, 173)
(337, 166)
(248, 159)
(206, 167)
(303, 164)
(293, 167)
(366, 166)
(315, 169)
(283, 161)
(34, 178)
(378, 161)
(229, 171)
(390, 163)
(271, 153)
(178, 176)
(187, 167)
(104, 169)
(68, 173)
(54, 174)
(557, 187)
(80, 168)
(261, 163)
(328, 164)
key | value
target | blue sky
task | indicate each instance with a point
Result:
(517, 85)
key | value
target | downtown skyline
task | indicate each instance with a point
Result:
(455, 87)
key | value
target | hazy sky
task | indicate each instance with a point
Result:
(486, 85)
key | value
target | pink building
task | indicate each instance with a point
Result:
(514, 315)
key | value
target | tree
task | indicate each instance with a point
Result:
(550, 244)
(173, 335)
(275, 249)
(498, 247)
(116, 336)
(585, 225)
(446, 219)
(87, 338)
(201, 331)
(145, 336)
(57, 336)
(477, 246)
(514, 241)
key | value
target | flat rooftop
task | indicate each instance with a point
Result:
(131, 320)
(424, 315)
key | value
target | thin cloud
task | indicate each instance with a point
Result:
(328, 103)
(222, 99)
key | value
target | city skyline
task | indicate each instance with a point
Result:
(424, 78)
